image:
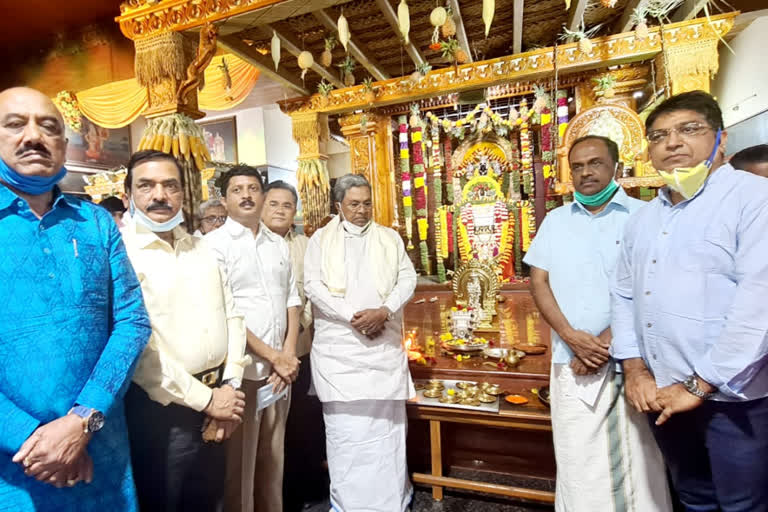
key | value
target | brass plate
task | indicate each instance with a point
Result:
(466, 384)
(486, 398)
(470, 401)
(433, 393)
(449, 399)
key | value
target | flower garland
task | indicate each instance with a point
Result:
(501, 219)
(526, 150)
(547, 154)
(420, 193)
(405, 177)
(515, 181)
(517, 213)
(528, 225)
(562, 113)
(487, 119)
(437, 186)
(449, 183)
(66, 101)
(466, 226)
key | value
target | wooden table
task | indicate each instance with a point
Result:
(517, 440)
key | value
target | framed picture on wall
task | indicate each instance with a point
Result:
(220, 135)
(97, 147)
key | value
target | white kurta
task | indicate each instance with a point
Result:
(362, 383)
(346, 365)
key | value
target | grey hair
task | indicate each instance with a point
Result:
(208, 204)
(347, 182)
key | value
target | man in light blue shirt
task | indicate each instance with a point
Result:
(690, 311)
(572, 261)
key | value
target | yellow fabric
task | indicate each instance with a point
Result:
(195, 326)
(113, 105)
(118, 104)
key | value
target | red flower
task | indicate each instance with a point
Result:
(435, 46)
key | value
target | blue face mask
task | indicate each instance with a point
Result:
(32, 185)
(141, 218)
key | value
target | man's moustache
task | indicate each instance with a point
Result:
(247, 203)
(158, 206)
(37, 147)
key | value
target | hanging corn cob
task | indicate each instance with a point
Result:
(314, 189)
(178, 135)
(405, 177)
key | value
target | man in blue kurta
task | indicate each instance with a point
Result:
(73, 325)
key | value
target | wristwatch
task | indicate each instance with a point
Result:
(692, 386)
(234, 382)
(93, 420)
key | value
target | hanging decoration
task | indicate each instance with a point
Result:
(324, 88)
(518, 237)
(489, 7)
(451, 49)
(547, 150)
(343, 29)
(66, 101)
(528, 225)
(305, 62)
(437, 187)
(581, 36)
(515, 180)
(437, 18)
(326, 58)
(449, 27)
(421, 71)
(609, 4)
(370, 92)
(420, 187)
(178, 135)
(404, 20)
(456, 128)
(562, 113)
(275, 49)
(314, 189)
(405, 178)
(452, 184)
(604, 86)
(526, 150)
(347, 68)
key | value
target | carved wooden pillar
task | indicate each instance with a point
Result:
(370, 153)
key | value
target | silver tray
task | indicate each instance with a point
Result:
(420, 399)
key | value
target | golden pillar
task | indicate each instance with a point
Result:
(370, 153)
(310, 131)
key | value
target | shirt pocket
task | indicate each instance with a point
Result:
(90, 274)
(712, 254)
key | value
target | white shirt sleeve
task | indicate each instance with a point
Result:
(406, 281)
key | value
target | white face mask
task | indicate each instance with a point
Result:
(140, 217)
(352, 229)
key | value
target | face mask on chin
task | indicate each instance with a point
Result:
(602, 196)
(687, 181)
(141, 218)
(352, 229)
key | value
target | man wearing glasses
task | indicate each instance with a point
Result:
(572, 259)
(690, 313)
(213, 215)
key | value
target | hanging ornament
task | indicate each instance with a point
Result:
(489, 6)
(541, 99)
(404, 20)
(638, 19)
(275, 49)
(305, 62)
(344, 34)
(610, 4)
(437, 18)
(326, 58)
(449, 27)
(347, 71)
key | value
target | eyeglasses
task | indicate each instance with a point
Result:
(685, 130)
(214, 219)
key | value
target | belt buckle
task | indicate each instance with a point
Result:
(209, 379)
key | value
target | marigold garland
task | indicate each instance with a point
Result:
(448, 162)
(405, 178)
(526, 151)
(437, 186)
(547, 153)
(66, 101)
(518, 237)
(562, 113)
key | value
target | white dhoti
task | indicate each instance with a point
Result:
(607, 458)
(366, 455)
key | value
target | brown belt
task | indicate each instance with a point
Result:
(212, 377)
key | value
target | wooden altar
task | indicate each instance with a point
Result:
(516, 441)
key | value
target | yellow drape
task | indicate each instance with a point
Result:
(118, 104)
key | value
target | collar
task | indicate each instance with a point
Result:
(620, 198)
(714, 177)
(237, 230)
(146, 237)
(8, 197)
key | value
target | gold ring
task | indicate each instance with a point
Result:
(365, 333)
(71, 483)
(27, 462)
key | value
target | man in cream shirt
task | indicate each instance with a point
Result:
(358, 277)
(197, 343)
(258, 264)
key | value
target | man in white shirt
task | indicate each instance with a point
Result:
(198, 342)
(258, 264)
(304, 477)
(358, 277)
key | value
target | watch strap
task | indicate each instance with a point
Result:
(692, 386)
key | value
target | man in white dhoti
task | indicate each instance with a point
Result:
(358, 277)
(607, 459)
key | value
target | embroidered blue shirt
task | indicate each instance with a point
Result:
(579, 251)
(691, 290)
(72, 325)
